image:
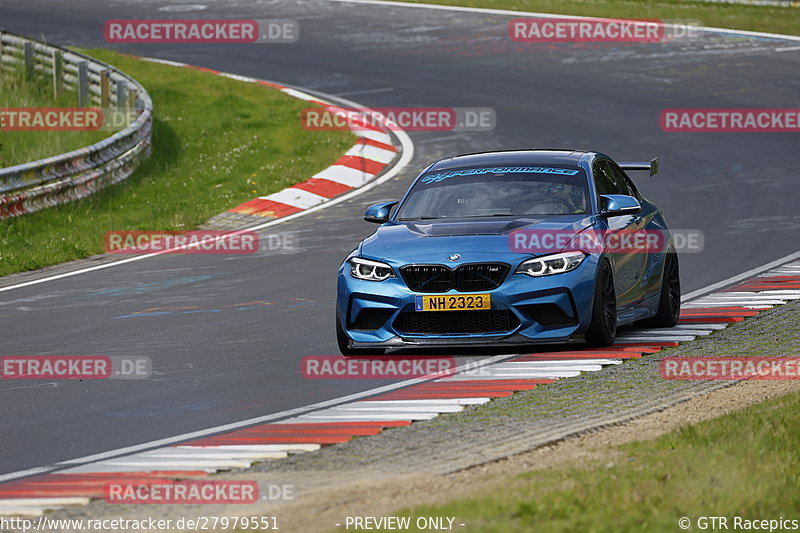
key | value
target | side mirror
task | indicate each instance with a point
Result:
(613, 205)
(379, 213)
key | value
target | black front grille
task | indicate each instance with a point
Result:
(466, 278)
(456, 322)
(371, 319)
(480, 276)
(427, 278)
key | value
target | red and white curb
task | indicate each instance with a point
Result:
(372, 153)
(239, 449)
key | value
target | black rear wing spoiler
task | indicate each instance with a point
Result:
(652, 166)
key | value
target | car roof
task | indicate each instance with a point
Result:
(512, 157)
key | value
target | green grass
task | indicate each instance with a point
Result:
(17, 147)
(743, 464)
(217, 143)
(784, 20)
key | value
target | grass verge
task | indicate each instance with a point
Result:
(217, 142)
(19, 147)
(744, 464)
(785, 20)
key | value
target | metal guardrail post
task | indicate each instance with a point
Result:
(105, 89)
(2, 51)
(83, 83)
(122, 95)
(58, 73)
(133, 94)
(27, 48)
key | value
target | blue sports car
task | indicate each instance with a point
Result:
(510, 248)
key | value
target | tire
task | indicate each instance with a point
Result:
(344, 344)
(669, 301)
(603, 328)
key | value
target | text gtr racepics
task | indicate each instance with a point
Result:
(510, 248)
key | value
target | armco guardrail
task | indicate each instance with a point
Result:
(67, 177)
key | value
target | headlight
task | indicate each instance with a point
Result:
(370, 270)
(551, 264)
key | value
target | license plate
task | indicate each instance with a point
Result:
(453, 302)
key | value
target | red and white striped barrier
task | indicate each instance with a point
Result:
(362, 163)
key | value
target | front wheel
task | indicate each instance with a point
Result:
(603, 328)
(344, 344)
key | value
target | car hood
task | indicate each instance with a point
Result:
(473, 239)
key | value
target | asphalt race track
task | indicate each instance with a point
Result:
(233, 362)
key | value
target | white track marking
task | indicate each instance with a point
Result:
(216, 453)
(238, 77)
(565, 363)
(782, 293)
(301, 95)
(101, 468)
(178, 464)
(698, 325)
(374, 153)
(537, 366)
(44, 502)
(738, 303)
(23, 511)
(682, 332)
(296, 198)
(425, 403)
(378, 136)
(164, 62)
(655, 338)
(288, 448)
(349, 176)
(723, 304)
(355, 417)
(355, 408)
(508, 374)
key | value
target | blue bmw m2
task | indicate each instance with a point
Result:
(516, 247)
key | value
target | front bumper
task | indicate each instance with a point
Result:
(545, 310)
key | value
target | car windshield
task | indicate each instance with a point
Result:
(497, 191)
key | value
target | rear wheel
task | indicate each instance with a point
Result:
(603, 328)
(669, 302)
(344, 344)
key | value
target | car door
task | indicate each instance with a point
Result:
(650, 274)
(627, 264)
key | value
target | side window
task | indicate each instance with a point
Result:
(605, 181)
(624, 181)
